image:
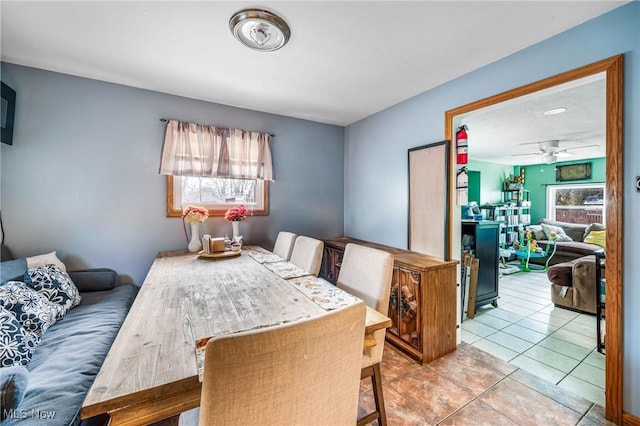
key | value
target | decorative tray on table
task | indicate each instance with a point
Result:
(219, 255)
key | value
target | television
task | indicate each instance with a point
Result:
(8, 113)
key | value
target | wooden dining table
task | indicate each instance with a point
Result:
(150, 372)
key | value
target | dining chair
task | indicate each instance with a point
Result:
(367, 273)
(307, 254)
(284, 244)
(301, 373)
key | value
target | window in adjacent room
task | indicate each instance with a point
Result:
(583, 203)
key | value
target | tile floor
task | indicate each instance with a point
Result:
(526, 330)
(472, 387)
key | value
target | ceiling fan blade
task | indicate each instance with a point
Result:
(583, 147)
(563, 154)
(522, 155)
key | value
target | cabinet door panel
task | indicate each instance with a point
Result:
(409, 304)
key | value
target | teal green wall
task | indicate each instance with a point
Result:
(539, 176)
(474, 179)
(492, 176)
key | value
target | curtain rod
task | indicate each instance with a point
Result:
(164, 120)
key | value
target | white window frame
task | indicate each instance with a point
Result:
(175, 205)
(551, 196)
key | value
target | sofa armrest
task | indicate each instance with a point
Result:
(584, 283)
(98, 279)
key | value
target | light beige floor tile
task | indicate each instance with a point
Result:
(524, 333)
(584, 389)
(510, 341)
(492, 321)
(548, 319)
(585, 330)
(560, 313)
(478, 328)
(585, 319)
(469, 337)
(505, 315)
(517, 309)
(565, 348)
(540, 327)
(495, 349)
(596, 359)
(552, 358)
(575, 338)
(589, 373)
(532, 366)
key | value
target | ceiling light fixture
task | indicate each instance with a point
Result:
(260, 29)
(554, 111)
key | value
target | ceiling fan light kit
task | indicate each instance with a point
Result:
(260, 29)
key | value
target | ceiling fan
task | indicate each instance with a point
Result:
(549, 151)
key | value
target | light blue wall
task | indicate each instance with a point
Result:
(82, 176)
(376, 147)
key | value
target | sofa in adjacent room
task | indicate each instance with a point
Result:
(51, 389)
(566, 251)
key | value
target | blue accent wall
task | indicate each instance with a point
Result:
(376, 147)
(492, 176)
(82, 175)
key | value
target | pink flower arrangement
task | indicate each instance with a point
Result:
(236, 213)
(195, 214)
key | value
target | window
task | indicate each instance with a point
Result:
(584, 203)
(216, 194)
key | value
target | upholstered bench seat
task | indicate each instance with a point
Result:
(573, 284)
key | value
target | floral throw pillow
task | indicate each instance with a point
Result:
(560, 234)
(16, 344)
(33, 310)
(55, 284)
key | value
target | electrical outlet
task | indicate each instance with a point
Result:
(637, 183)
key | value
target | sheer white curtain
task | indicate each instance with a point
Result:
(192, 149)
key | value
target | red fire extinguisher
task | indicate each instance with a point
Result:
(462, 145)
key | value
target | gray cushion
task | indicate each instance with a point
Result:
(17, 345)
(12, 270)
(13, 386)
(70, 354)
(98, 279)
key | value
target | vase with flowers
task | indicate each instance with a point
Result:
(194, 216)
(235, 215)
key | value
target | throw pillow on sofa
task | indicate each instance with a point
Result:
(45, 259)
(33, 310)
(560, 234)
(597, 237)
(55, 284)
(537, 231)
(16, 343)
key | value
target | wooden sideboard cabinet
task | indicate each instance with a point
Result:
(422, 303)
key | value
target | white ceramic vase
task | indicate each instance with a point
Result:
(195, 244)
(236, 230)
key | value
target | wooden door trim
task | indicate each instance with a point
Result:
(613, 68)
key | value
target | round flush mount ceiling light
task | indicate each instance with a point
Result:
(260, 29)
(554, 111)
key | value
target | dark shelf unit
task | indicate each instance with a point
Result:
(514, 212)
(483, 237)
(600, 300)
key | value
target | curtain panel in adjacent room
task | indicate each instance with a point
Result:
(192, 149)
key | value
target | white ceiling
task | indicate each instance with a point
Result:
(510, 132)
(345, 61)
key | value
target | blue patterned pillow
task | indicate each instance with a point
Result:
(16, 344)
(33, 310)
(55, 284)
